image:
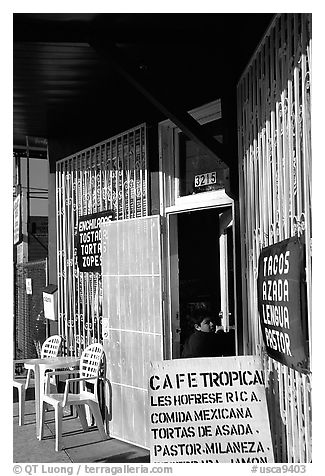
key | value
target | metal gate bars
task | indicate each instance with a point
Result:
(30, 326)
(274, 135)
(111, 175)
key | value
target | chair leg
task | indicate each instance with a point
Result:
(53, 384)
(88, 416)
(29, 375)
(82, 417)
(58, 427)
(98, 419)
(21, 405)
(42, 419)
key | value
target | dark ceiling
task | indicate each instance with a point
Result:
(67, 67)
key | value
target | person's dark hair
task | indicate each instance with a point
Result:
(198, 316)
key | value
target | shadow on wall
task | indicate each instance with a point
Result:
(277, 427)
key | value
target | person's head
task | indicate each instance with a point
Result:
(203, 322)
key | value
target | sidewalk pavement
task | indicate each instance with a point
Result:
(79, 446)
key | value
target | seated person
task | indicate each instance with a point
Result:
(203, 341)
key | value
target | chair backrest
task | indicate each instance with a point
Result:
(51, 346)
(90, 360)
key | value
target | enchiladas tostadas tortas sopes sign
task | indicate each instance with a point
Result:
(88, 240)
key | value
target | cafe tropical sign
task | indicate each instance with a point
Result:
(209, 410)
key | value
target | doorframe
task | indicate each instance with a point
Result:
(171, 204)
(172, 278)
(225, 223)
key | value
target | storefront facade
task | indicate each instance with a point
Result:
(175, 240)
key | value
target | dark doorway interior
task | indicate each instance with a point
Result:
(199, 271)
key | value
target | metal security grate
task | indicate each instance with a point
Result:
(274, 134)
(30, 324)
(111, 175)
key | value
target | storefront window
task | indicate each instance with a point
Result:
(199, 171)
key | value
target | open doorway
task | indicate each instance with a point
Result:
(202, 273)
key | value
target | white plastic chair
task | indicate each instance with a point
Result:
(50, 348)
(88, 373)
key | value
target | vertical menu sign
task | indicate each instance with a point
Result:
(88, 240)
(282, 303)
(17, 220)
(209, 410)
